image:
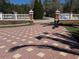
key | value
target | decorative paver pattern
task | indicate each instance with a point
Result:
(63, 54)
(40, 54)
(21, 43)
(29, 49)
(16, 56)
(3, 46)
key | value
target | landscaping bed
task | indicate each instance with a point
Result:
(6, 22)
(69, 22)
(72, 27)
(13, 23)
(74, 33)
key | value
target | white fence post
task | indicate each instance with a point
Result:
(15, 13)
(1, 18)
(16, 16)
(71, 16)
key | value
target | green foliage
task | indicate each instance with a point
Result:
(21, 8)
(7, 7)
(71, 6)
(38, 10)
(50, 6)
(2, 5)
(74, 32)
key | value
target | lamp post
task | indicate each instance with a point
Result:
(57, 14)
(31, 15)
(56, 21)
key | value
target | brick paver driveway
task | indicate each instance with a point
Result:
(35, 42)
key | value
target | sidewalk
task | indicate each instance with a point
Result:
(38, 41)
(45, 20)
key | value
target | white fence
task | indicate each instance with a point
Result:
(67, 16)
(62, 16)
(14, 16)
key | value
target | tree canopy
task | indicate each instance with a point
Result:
(49, 6)
(38, 10)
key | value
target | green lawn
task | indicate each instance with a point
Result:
(74, 32)
(71, 29)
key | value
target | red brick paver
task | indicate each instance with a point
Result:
(23, 36)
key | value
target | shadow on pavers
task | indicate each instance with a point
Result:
(45, 47)
(68, 42)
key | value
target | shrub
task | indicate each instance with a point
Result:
(38, 10)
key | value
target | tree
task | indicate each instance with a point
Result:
(41, 9)
(50, 6)
(3, 5)
(38, 10)
(71, 6)
(7, 7)
(2, 2)
(47, 4)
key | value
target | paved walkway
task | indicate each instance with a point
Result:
(34, 42)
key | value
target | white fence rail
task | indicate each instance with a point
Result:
(62, 16)
(75, 16)
(14, 16)
(67, 16)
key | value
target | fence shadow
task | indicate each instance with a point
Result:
(70, 37)
(75, 34)
(71, 43)
(45, 47)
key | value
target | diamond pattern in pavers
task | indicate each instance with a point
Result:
(25, 36)
(14, 42)
(63, 54)
(3, 46)
(17, 56)
(55, 44)
(13, 36)
(6, 51)
(23, 40)
(17, 37)
(9, 40)
(41, 54)
(29, 49)
(30, 42)
(30, 37)
(45, 41)
(67, 47)
(4, 38)
(20, 37)
(78, 57)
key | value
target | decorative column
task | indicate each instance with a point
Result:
(31, 15)
(1, 18)
(57, 14)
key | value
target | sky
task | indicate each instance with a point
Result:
(20, 1)
(24, 1)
